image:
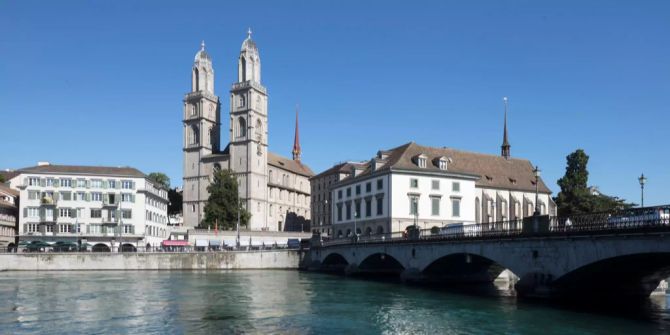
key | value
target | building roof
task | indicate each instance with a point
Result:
(289, 165)
(344, 167)
(6, 189)
(85, 170)
(202, 54)
(494, 171)
(9, 174)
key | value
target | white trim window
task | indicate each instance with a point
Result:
(127, 184)
(96, 183)
(96, 196)
(455, 207)
(435, 206)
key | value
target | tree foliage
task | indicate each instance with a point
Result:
(160, 178)
(2, 178)
(575, 196)
(176, 201)
(223, 204)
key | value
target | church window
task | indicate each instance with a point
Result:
(259, 130)
(241, 127)
(196, 80)
(243, 69)
(195, 134)
(240, 101)
(193, 208)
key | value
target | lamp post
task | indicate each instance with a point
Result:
(237, 239)
(536, 172)
(355, 234)
(642, 179)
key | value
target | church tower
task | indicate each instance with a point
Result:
(201, 119)
(248, 134)
(505, 147)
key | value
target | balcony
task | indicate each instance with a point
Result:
(49, 201)
(110, 221)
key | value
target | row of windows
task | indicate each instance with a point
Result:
(368, 188)
(90, 229)
(155, 203)
(379, 208)
(111, 198)
(155, 217)
(7, 217)
(7, 231)
(435, 184)
(435, 203)
(94, 213)
(80, 183)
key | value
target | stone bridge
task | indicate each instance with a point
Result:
(553, 260)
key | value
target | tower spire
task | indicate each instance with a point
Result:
(296, 139)
(505, 148)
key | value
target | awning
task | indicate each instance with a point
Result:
(230, 243)
(214, 243)
(201, 243)
(175, 243)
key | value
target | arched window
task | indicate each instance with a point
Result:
(242, 127)
(195, 134)
(204, 80)
(196, 80)
(243, 69)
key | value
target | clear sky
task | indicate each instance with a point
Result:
(102, 82)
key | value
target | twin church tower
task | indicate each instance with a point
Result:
(274, 189)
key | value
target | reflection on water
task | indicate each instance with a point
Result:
(287, 302)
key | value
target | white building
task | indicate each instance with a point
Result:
(434, 187)
(273, 188)
(96, 207)
(8, 216)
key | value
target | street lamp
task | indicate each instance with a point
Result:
(642, 179)
(536, 172)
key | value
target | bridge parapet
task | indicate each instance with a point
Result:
(630, 221)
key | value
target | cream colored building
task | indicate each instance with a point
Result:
(274, 189)
(98, 207)
(8, 216)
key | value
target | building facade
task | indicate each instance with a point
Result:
(321, 195)
(434, 187)
(98, 208)
(274, 189)
(9, 200)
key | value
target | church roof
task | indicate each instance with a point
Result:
(202, 54)
(289, 165)
(493, 171)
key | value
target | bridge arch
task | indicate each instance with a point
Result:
(463, 268)
(630, 276)
(334, 262)
(381, 264)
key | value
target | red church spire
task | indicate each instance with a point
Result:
(296, 139)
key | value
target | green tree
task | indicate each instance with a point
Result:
(160, 178)
(575, 196)
(176, 200)
(2, 178)
(223, 204)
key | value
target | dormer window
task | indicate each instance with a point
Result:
(420, 160)
(441, 163)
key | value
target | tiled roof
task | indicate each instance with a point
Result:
(6, 189)
(289, 165)
(86, 170)
(494, 171)
(340, 168)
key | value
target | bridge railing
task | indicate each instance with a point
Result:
(637, 220)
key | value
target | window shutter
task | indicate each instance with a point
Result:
(43, 182)
(73, 212)
(118, 184)
(132, 185)
(88, 196)
(104, 184)
(25, 181)
(132, 198)
(25, 212)
(88, 184)
(56, 182)
(105, 198)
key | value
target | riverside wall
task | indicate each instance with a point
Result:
(266, 259)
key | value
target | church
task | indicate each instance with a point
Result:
(273, 188)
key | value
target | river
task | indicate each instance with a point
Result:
(285, 302)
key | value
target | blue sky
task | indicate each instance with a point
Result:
(102, 82)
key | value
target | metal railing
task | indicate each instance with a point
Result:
(630, 221)
(142, 249)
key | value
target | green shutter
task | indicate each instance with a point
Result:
(43, 182)
(118, 184)
(104, 184)
(25, 212)
(88, 196)
(88, 184)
